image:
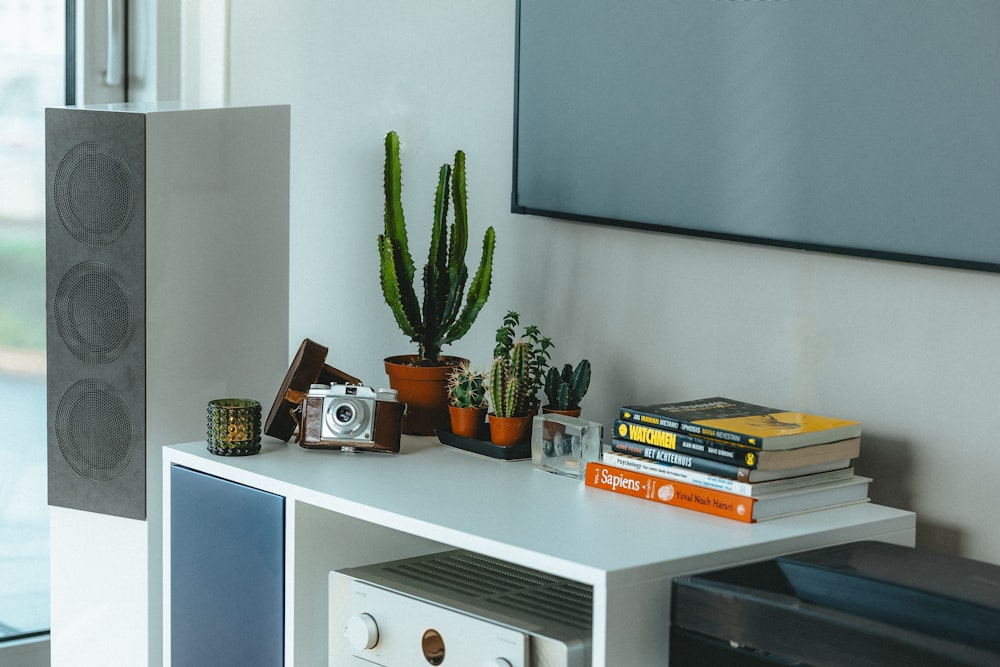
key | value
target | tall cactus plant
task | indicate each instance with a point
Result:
(440, 318)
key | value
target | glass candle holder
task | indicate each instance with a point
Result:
(234, 426)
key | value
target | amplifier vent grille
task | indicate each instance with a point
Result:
(503, 585)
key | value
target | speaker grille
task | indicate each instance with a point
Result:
(94, 193)
(94, 430)
(94, 312)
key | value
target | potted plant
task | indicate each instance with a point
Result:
(538, 353)
(467, 403)
(566, 388)
(440, 317)
(515, 377)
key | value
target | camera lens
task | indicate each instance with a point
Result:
(347, 417)
(344, 413)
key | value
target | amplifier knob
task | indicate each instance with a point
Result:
(361, 632)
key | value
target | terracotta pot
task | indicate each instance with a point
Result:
(424, 391)
(509, 431)
(467, 422)
(546, 410)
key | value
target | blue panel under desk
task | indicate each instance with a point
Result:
(227, 572)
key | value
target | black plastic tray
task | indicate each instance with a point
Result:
(516, 452)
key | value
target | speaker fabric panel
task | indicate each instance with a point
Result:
(95, 300)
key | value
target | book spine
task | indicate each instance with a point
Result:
(677, 473)
(675, 458)
(688, 428)
(669, 492)
(724, 452)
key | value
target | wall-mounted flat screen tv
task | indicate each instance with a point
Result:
(864, 127)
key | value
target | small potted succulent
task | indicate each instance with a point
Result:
(440, 317)
(538, 353)
(467, 403)
(564, 389)
(516, 375)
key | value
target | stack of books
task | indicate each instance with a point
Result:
(732, 459)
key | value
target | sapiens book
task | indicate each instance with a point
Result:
(729, 420)
(708, 481)
(720, 503)
(763, 459)
(631, 483)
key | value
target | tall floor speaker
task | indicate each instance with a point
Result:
(167, 286)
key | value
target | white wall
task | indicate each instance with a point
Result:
(911, 351)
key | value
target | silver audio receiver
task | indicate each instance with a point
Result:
(457, 608)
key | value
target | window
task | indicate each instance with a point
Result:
(32, 76)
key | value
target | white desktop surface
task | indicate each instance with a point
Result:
(626, 548)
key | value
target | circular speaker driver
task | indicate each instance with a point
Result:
(94, 312)
(94, 193)
(94, 430)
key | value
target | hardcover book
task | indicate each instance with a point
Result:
(720, 503)
(655, 443)
(718, 468)
(729, 485)
(742, 423)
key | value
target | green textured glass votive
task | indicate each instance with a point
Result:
(234, 426)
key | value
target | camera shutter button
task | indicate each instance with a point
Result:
(362, 632)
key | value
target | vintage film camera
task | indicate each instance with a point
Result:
(362, 418)
(345, 416)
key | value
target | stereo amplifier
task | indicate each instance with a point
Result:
(457, 608)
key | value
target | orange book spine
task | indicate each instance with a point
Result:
(669, 492)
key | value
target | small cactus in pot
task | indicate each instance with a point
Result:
(509, 382)
(515, 377)
(509, 388)
(565, 388)
(467, 401)
(536, 355)
(467, 387)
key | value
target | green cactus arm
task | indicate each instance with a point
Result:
(498, 376)
(399, 294)
(563, 399)
(580, 381)
(504, 405)
(459, 240)
(520, 372)
(395, 223)
(436, 278)
(479, 291)
(551, 386)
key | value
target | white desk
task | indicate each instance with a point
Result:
(344, 510)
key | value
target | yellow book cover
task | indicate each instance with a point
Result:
(743, 423)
